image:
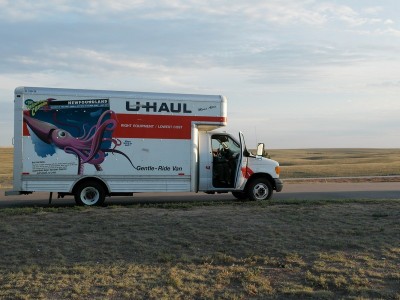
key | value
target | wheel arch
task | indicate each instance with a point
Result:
(260, 175)
(90, 179)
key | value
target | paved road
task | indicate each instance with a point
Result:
(308, 191)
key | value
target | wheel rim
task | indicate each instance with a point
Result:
(90, 196)
(260, 191)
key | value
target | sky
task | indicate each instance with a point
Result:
(296, 73)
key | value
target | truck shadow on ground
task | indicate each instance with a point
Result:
(23, 201)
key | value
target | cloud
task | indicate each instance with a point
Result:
(229, 35)
(278, 12)
(373, 10)
(386, 84)
(389, 31)
(342, 12)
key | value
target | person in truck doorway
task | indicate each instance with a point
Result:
(225, 161)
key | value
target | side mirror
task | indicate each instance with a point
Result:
(260, 149)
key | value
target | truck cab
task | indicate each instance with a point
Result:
(225, 165)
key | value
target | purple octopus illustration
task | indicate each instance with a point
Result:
(88, 148)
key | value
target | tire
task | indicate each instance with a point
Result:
(240, 195)
(90, 193)
(260, 189)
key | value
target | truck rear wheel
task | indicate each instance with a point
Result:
(90, 193)
(260, 189)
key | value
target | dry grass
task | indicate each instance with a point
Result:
(6, 166)
(303, 163)
(281, 250)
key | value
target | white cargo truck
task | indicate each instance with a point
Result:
(92, 144)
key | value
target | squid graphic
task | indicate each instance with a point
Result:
(88, 148)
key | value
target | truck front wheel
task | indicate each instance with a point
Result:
(260, 189)
(90, 194)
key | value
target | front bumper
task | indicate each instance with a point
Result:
(278, 184)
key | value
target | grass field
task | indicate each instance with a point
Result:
(238, 250)
(280, 250)
(6, 166)
(305, 163)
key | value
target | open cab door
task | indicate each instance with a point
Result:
(242, 172)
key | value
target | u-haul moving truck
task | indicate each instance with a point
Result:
(93, 144)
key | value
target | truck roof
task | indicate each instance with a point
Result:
(119, 94)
